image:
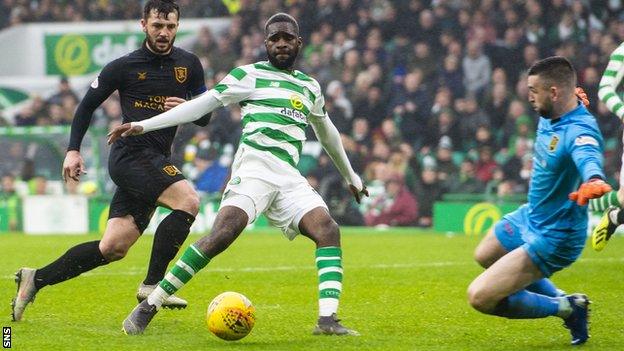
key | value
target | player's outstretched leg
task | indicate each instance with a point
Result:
(318, 225)
(169, 237)
(578, 320)
(609, 222)
(173, 302)
(229, 223)
(329, 265)
(75, 261)
(26, 291)
(191, 262)
(139, 318)
(602, 203)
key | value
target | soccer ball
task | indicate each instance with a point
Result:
(230, 316)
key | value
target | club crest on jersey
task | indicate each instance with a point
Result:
(171, 170)
(296, 102)
(553, 143)
(180, 74)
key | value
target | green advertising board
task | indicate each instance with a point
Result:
(73, 54)
(469, 217)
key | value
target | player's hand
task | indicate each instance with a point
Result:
(172, 102)
(358, 194)
(592, 189)
(73, 166)
(124, 130)
(581, 95)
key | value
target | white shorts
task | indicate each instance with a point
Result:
(256, 187)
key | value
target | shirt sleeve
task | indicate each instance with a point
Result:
(197, 83)
(318, 109)
(611, 78)
(585, 146)
(196, 87)
(101, 88)
(235, 87)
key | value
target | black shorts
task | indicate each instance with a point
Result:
(141, 175)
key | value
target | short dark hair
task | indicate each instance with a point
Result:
(555, 70)
(162, 7)
(281, 17)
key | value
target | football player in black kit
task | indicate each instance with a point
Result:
(150, 80)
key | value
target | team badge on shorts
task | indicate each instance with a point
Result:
(171, 170)
(235, 181)
(180, 74)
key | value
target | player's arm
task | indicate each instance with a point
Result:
(586, 153)
(101, 88)
(329, 137)
(188, 111)
(611, 78)
(235, 87)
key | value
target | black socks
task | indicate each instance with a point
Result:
(168, 239)
(77, 260)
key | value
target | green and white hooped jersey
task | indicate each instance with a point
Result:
(611, 78)
(275, 106)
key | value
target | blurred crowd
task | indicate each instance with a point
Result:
(430, 96)
(14, 12)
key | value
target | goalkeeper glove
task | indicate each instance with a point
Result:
(591, 189)
(581, 95)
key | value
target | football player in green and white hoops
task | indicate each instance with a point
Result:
(612, 202)
(277, 103)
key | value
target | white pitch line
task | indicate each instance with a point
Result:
(430, 264)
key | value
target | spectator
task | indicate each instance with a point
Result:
(38, 185)
(470, 118)
(485, 165)
(446, 168)
(477, 69)
(429, 191)
(397, 208)
(451, 76)
(64, 92)
(497, 105)
(10, 199)
(211, 175)
(442, 126)
(467, 181)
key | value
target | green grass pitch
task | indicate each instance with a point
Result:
(403, 290)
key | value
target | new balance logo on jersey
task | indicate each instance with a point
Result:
(274, 84)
